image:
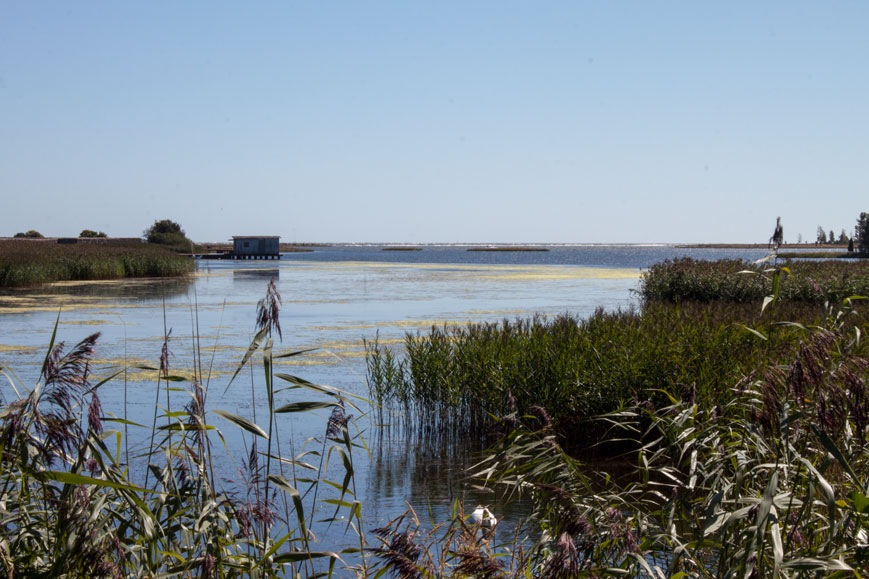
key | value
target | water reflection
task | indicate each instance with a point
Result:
(432, 479)
(146, 289)
(256, 273)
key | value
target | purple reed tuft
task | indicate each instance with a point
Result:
(475, 563)
(337, 420)
(400, 551)
(95, 412)
(71, 369)
(262, 512)
(564, 562)
(82, 496)
(242, 516)
(164, 356)
(207, 566)
(268, 310)
(196, 412)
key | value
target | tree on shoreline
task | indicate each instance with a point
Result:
(822, 235)
(29, 234)
(92, 233)
(861, 233)
(167, 232)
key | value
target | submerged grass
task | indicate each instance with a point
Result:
(27, 263)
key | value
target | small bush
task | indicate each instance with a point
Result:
(91, 233)
(29, 234)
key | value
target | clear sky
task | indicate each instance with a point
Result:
(447, 121)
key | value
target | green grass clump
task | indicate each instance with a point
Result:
(25, 263)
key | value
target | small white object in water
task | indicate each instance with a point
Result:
(483, 516)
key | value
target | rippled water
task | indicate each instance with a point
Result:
(333, 297)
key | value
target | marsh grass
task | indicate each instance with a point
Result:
(769, 480)
(451, 381)
(25, 263)
(816, 282)
(72, 503)
(772, 483)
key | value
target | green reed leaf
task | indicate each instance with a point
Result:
(242, 423)
(304, 406)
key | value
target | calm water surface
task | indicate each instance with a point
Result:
(333, 298)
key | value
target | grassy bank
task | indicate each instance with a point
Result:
(25, 263)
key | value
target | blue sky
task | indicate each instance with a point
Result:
(417, 121)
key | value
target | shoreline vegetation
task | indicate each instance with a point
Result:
(806, 246)
(33, 262)
(741, 394)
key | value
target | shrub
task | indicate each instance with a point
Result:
(167, 232)
(29, 234)
(91, 233)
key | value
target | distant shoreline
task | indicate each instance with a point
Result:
(508, 248)
(803, 246)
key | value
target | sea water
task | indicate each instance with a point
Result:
(334, 297)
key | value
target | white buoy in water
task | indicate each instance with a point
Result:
(483, 516)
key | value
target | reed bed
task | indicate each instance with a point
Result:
(772, 481)
(771, 484)
(736, 281)
(27, 263)
(452, 381)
